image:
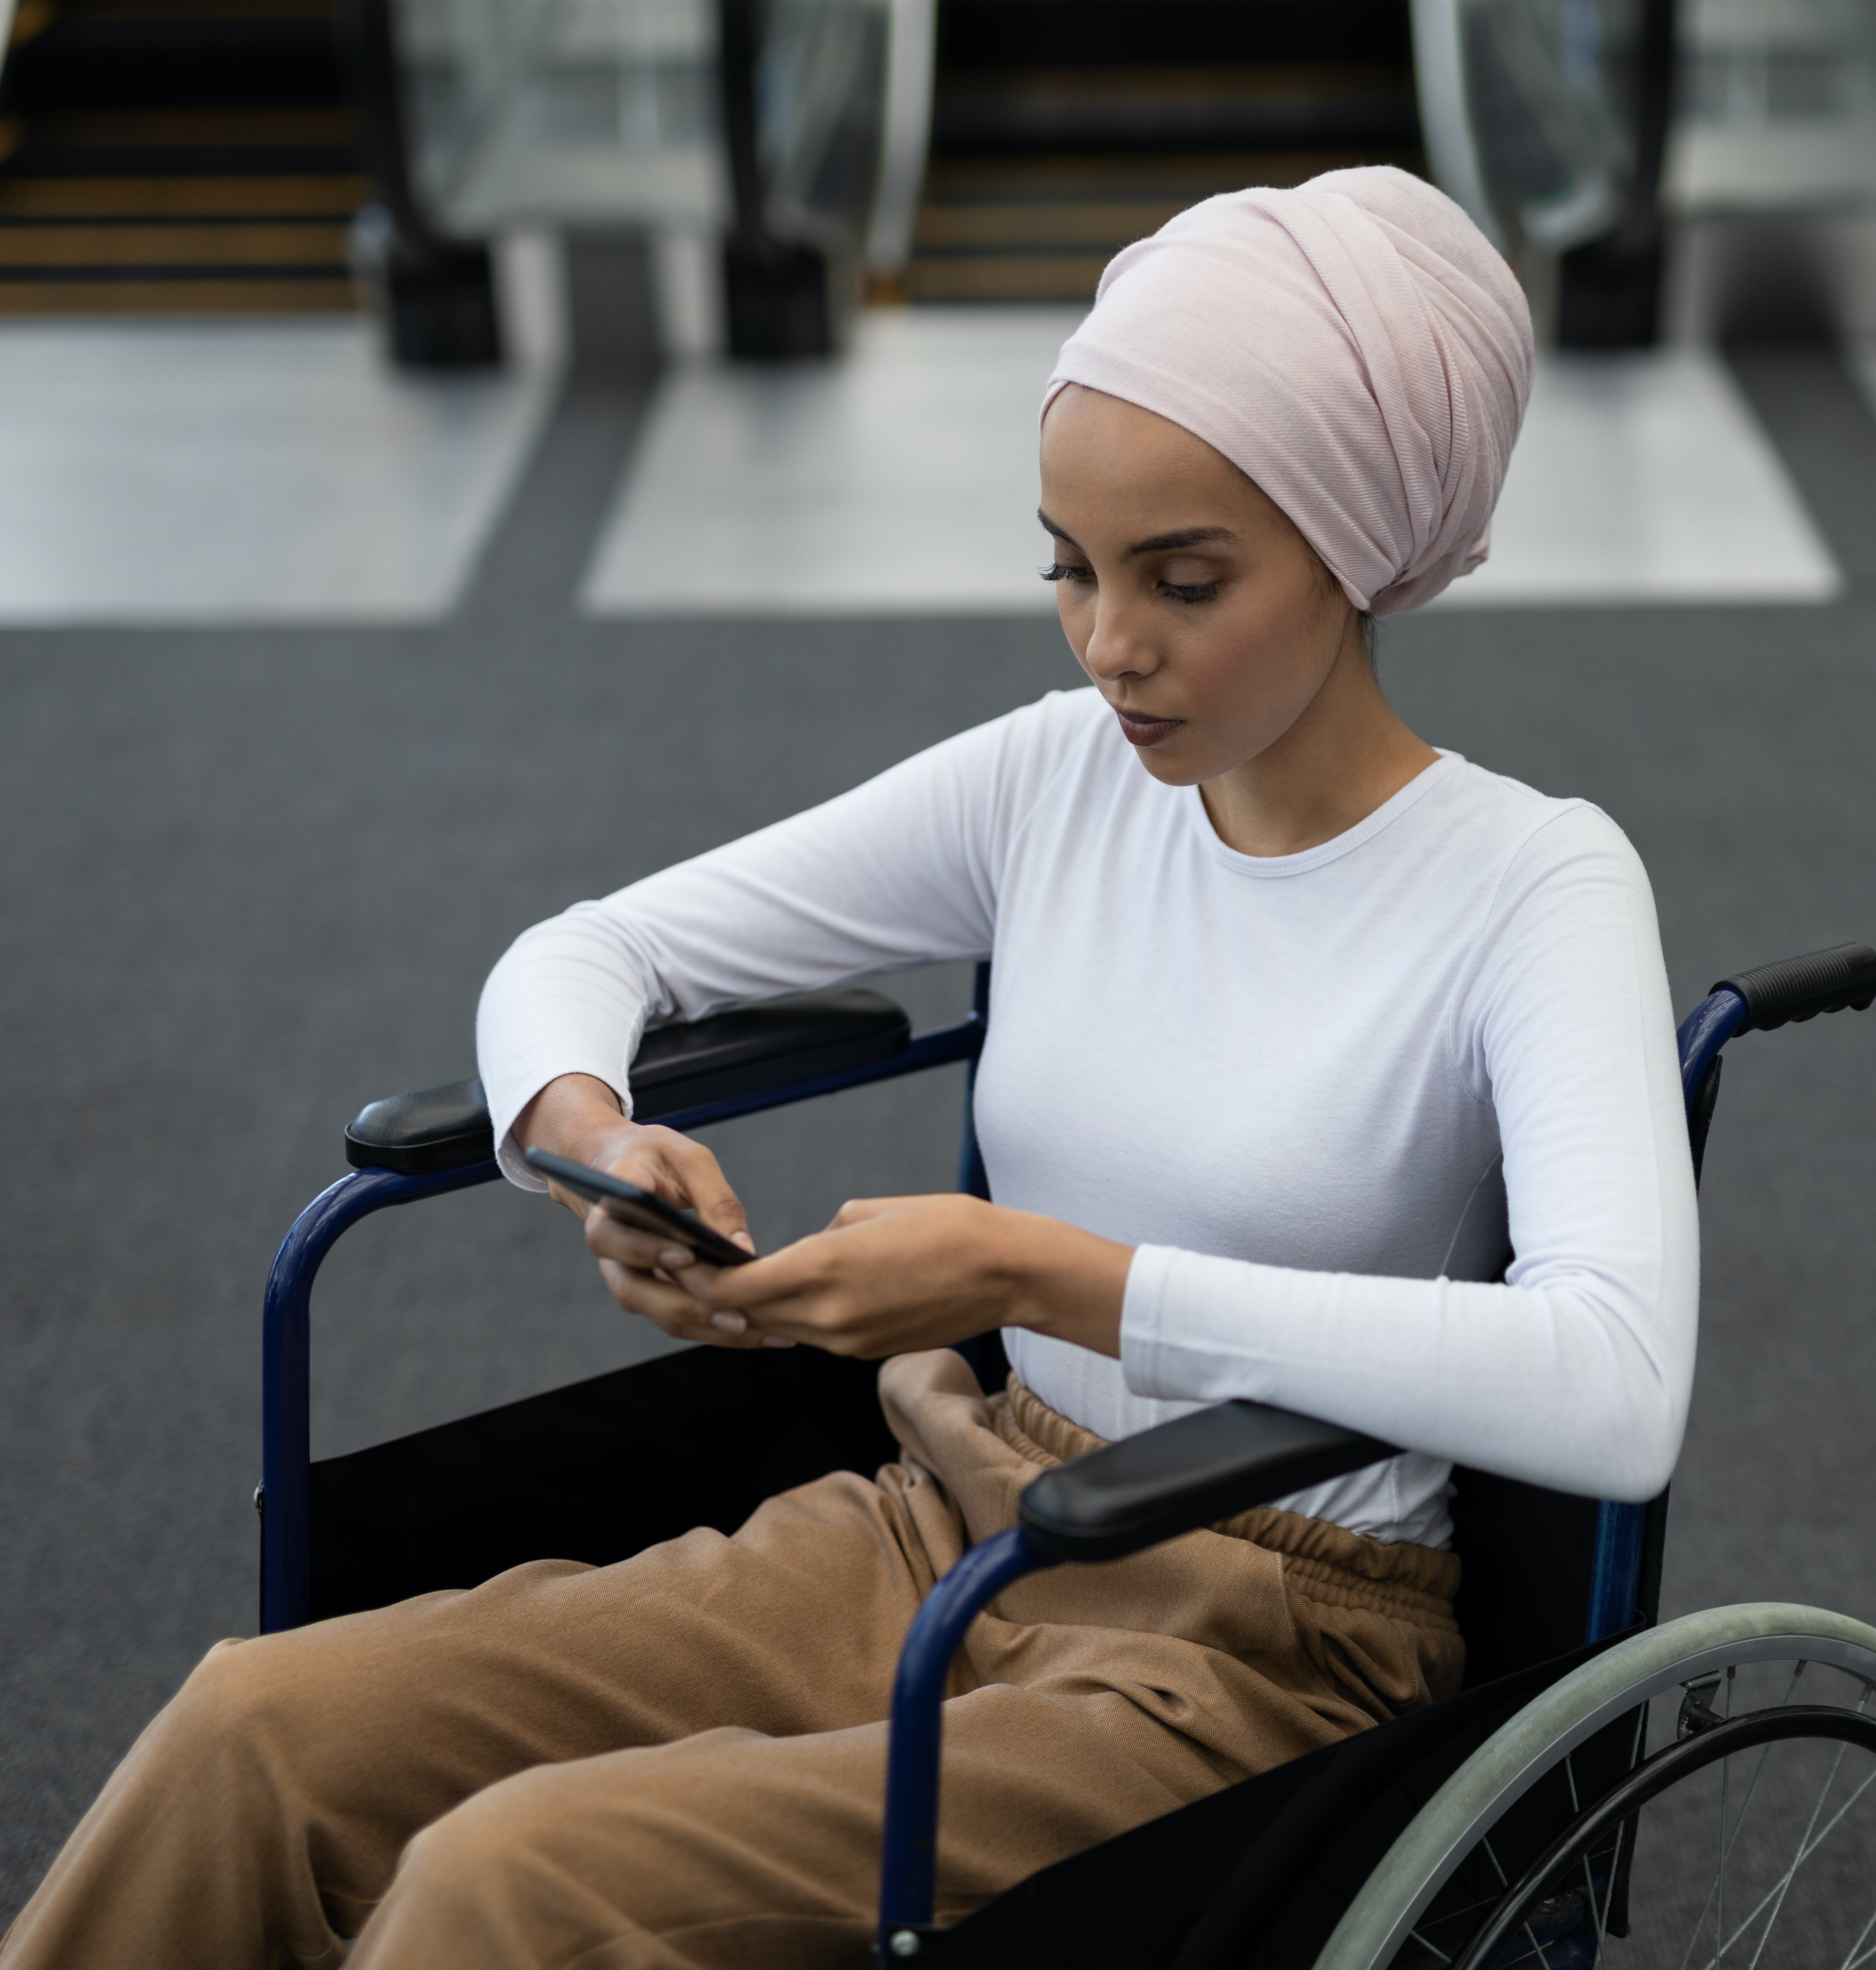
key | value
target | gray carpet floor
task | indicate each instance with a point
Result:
(254, 879)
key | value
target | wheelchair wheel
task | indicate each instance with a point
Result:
(1703, 1794)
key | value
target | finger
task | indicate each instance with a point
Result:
(797, 1271)
(702, 1283)
(706, 1189)
(674, 1311)
(654, 1295)
(608, 1237)
(857, 1210)
(714, 1299)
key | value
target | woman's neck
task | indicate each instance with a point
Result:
(1348, 754)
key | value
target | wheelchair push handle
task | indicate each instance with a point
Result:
(1842, 978)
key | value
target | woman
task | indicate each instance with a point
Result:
(1300, 1029)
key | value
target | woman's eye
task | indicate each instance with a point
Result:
(1205, 591)
(1062, 571)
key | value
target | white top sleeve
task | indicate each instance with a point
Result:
(1577, 1372)
(899, 872)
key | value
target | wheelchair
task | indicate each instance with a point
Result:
(1671, 1795)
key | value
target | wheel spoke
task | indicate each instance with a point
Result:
(1718, 1891)
(1589, 1881)
(1472, 1908)
(1505, 1880)
(1777, 1890)
(1851, 1961)
(1756, 1925)
(1807, 1846)
(1726, 1845)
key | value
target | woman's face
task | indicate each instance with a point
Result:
(1187, 596)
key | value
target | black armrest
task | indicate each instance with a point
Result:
(435, 1129)
(755, 1047)
(745, 1051)
(1182, 1475)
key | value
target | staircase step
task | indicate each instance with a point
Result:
(170, 296)
(80, 54)
(158, 128)
(334, 196)
(176, 157)
(1004, 277)
(1042, 228)
(198, 13)
(1181, 177)
(1121, 34)
(312, 246)
(196, 142)
(997, 224)
(1185, 108)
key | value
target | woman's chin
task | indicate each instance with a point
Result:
(1165, 764)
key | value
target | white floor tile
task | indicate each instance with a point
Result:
(1646, 478)
(901, 479)
(904, 479)
(216, 471)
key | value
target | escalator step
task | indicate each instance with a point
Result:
(1041, 229)
(113, 245)
(171, 296)
(333, 196)
(168, 157)
(1162, 109)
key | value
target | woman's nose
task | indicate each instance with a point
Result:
(1118, 648)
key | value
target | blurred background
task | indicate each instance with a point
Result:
(458, 456)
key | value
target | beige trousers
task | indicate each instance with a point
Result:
(678, 1761)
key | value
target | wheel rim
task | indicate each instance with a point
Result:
(1381, 1925)
(1549, 1905)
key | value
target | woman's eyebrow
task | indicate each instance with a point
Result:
(1049, 527)
(1185, 536)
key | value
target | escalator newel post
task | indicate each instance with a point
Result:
(435, 297)
(775, 291)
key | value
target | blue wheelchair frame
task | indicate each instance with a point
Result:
(909, 1840)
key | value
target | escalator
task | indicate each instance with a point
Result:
(203, 154)
(1063, 129)
(162, 157)
(1548, 121)
(1001, 150)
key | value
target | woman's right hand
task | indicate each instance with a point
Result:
(579, 1117)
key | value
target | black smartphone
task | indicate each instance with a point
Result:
(643, 1210)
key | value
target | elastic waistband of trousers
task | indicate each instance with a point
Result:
(1325, 1563)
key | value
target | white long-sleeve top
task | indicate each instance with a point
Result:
(1323, 1094)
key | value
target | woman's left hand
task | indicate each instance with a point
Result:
(891, 1275)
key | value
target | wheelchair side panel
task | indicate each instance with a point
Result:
(596, 1472)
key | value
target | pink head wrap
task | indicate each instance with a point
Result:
(1356, 346)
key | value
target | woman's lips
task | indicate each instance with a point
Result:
(1143, 731)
